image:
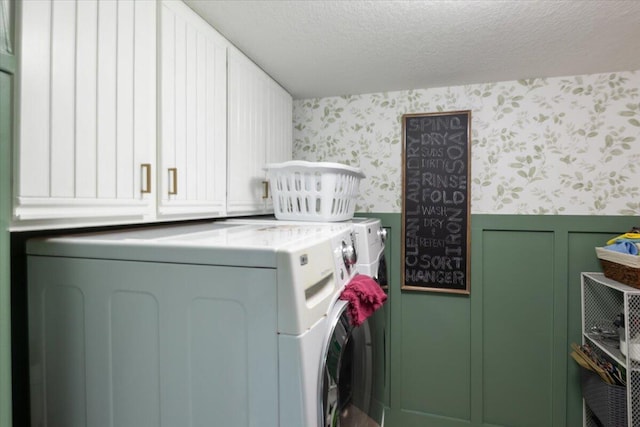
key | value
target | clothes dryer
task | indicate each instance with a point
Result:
(212, 324)
(370, 245)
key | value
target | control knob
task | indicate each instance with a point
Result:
(349, 255)
(383, 234)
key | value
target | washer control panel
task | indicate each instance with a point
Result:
(349, 255)
(345, 257)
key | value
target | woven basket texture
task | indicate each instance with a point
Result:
(621, 273)
(607, 402)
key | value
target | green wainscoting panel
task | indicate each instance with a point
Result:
(7, 71)
(517, 327)
(498, 357)
(436, 349)
(6, 101)
(420, 419)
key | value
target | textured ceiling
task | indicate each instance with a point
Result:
(327, 48)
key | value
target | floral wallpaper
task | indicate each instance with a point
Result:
(568, 145)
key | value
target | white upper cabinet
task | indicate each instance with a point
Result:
(87, 112)
(193, 112)
(134, 111)
(259, 132)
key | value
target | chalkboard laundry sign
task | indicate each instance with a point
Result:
(435, 202)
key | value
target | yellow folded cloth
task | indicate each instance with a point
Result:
(624, 236)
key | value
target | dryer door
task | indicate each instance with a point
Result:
(346, 373)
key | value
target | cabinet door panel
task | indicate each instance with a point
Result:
(87, 110)
(193, 110)
(145, 93)
(260, 129)
(217, 124)
(280, 133)
(199, 154)
(107, 107)
(180, 136)
(247, 135)
(35, 99)
(124, 101)
(63, 25)
(169, 86)
(188, 166)
(86, 95)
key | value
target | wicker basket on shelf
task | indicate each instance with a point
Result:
(623, 268)
(607, 402)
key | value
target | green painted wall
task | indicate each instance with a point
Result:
(7, 67)
(7, 71)
(498, 357)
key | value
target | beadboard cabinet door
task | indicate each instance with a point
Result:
(280, 129)
(259, 132)
(193, 102)
(87, 112)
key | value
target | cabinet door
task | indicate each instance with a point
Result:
(280, 133)
(259, 131)
(87, 132)
(192, 173)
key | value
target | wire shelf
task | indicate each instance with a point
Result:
(603, 300)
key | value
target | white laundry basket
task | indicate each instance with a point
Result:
(313, 191)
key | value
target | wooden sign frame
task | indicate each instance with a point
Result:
(436, 204)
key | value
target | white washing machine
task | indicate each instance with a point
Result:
(359, 394)
(369, 242)
(210, 324)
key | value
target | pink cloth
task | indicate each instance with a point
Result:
(364, 296)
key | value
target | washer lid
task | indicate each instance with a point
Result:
(245, 245)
